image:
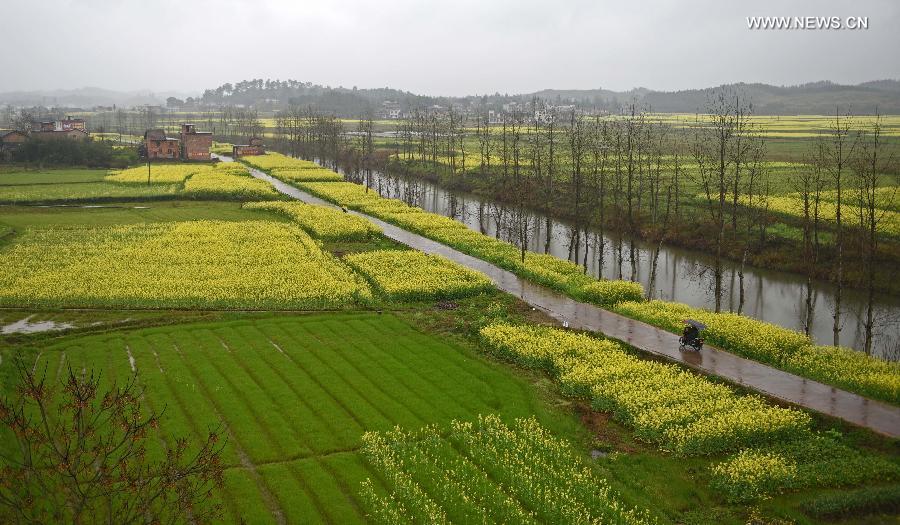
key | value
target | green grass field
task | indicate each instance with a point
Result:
(14, 177)
(169, 181)
(296, 394)
(124, 212)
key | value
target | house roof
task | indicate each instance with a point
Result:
(157, 134)
(5, 132)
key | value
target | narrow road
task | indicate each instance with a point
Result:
(853, 408)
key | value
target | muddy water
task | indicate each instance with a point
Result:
(25, 326)
(680, 275)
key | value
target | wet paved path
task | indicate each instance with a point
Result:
(853, 408)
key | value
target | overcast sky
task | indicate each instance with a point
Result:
(451, 47)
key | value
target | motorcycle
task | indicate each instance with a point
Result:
(690, 338)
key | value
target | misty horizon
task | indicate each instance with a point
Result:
(197, 93)
(429, 49)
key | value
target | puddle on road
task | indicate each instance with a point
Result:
(25, 326)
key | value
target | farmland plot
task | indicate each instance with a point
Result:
(295, 396)
(189, 264)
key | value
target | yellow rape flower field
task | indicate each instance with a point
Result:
(226, 180)
(411, 275)
(540, 479)
(887, 214)
(271, 161)
(776, 449)
(190, 264)
(158, 173)
(321, 222)
(681, 411)
(310, 174)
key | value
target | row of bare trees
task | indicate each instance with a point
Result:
(636, 175)
(840, 194)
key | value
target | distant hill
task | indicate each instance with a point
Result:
(815, 98)
(85, 97)
(883, 85)
(812, 98)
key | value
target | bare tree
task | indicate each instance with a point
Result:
(868, 168)
(839, 149)
(82, 458)
(808, 184)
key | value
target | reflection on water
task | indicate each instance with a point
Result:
(677, 275)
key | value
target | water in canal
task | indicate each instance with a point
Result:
(680, 275)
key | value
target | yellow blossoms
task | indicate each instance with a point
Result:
(487, 472)
(321, 222)
(200, 181)
(289, 169)
(612, 292)
(807, 460)
(87, 192)
(792, 204)
(681, 411)
(412, 275)
(194, 264)
(271, 161)
(228, 181)
(781, 347)
(157, 173)
(304, 175)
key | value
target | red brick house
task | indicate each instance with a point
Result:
(159, 146)
(11, 138)
(195, 144)
(255, 147)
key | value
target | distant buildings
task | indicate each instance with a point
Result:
(67, 128)
(255, 147)
(190, 145)
(390, 110)
(67, 124)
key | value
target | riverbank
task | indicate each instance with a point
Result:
(780, 249)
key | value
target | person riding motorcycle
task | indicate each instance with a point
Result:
(690, 333)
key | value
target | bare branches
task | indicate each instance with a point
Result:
(82, 457)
